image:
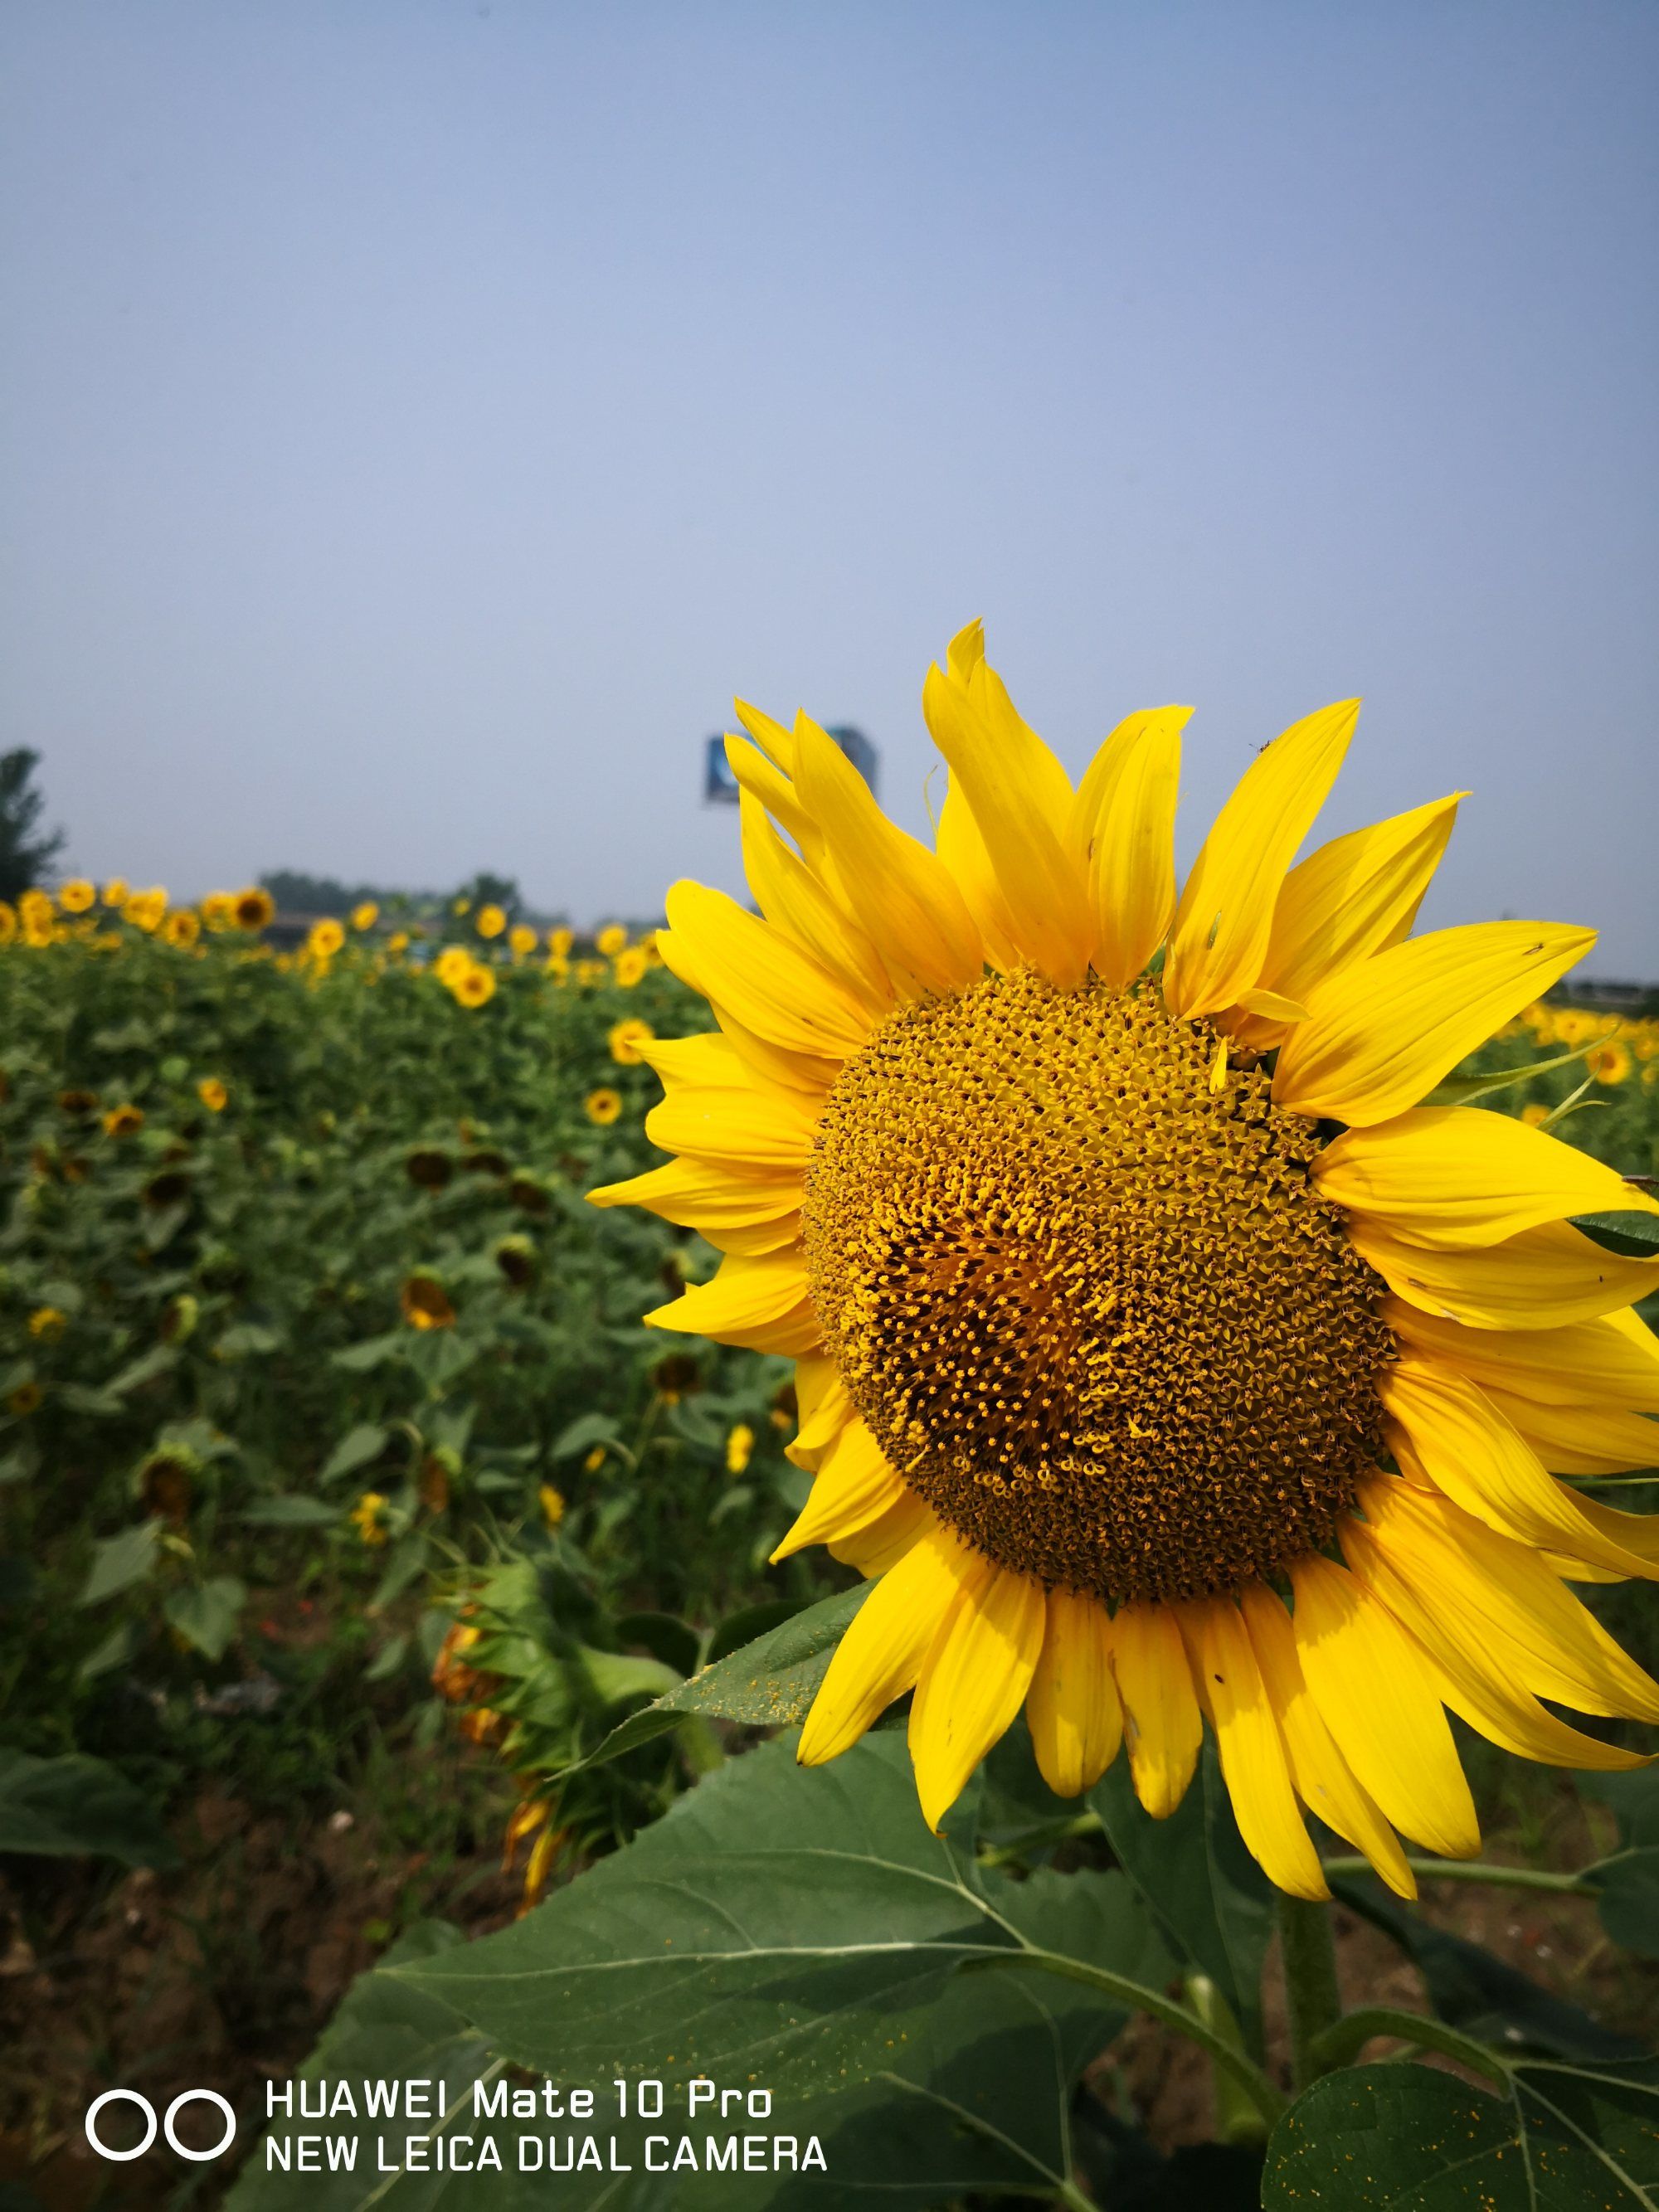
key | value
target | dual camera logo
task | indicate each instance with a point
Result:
(138, 2150)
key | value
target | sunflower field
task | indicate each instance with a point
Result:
(403, 1646)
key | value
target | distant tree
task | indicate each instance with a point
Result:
(295, 893)
(486, 889)
(26, 853)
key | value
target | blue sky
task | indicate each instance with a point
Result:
(421, 418)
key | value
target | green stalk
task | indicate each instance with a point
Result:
(1347, 2036)
(1308, 1957)
(1503, 1877)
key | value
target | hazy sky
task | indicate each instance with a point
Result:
(419, 419)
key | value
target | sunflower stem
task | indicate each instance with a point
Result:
(1344, 2040)
(1503, 1877)
(1308, 1957)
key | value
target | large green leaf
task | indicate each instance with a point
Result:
(1627, 1897)
(63, 1807)
(119, 1562)
(788, 1924)
(1212, 1902)
(205, 1615)
(1563, 2139)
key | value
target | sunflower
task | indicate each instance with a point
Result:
(476, 987)
(77, 895)
(146, 910)
(114, 892)
(424, 1303)
(124, 1121)
(365, 914)
(254, 909)
(1611, 1062)
(324, 938)
(559, 942)
(627, 1040)
(183, 928)
(611, 941)
(218, 911)
(628, 969)
(603, 1106)
(492, 920)
(7, 921)
(213, 1094)
(521, 941)
(1164, 1358)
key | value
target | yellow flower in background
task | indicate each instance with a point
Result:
(146, 910)
(451, 964)
(398, 941)
(8, 922)
(124, 1121)
(559, 942)
(325, 939)
(552, 1503)
(557, 967)
(1535, 1114)
(589, 972)
(47, 1323)
(183, 928)
(213, 1094)
(369, 1515)
(461, 906)
(115, 891)
(255, 908)
(628, 969)
(218, 912)
(476, 987)
(1106, 1335)
(611, 940)
(365, 914)
(76, 896)
(522, 940)
(626, 1040)
(1610, 1063)
(594, 1460)
(739, 1448)
(492, 920)
(603, 1106)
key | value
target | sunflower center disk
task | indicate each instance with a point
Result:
(1092, 1310)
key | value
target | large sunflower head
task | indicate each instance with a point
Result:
(1165, 1355)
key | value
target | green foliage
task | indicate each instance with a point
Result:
(27, 852)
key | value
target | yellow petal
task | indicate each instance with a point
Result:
(882, 1543)
(761, 1303)
(777, 793)
(1612, 1362)
(776, 739)
(902, 894)
(1075, 1719)
(1354, 896)
(1582, 1439)
(1224, 920)
(880, 1655)
(1473, 1679)
(747, 1125)
(1255, 1764)
(962, 850)
(1382, 1032)
(1511, 1602)
(853, 1486)
(704, 1195)
(973, 1682)
(1161, 1724)
(1458, 1175)
(762, 1060)
(1545, 1278)
(1021, 799)
(769, 983)
(799, 908)
(1125, 823)
(823, 1407)
(1377, 1694)
(1324, 1780)
(1477, 1459)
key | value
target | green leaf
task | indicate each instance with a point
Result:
(1411, 2139)
(749, 1624)
(160, 1360)
(249, 1339)
(795, 1922)
(1627, 1898)
(768, 1683)
(1214, 1904)
(115, 1650)
(288, 1510)
(206, 1613)
(1635, 1236)
(583, 1434)
(373, 1351)
(64, 1807)
(355, 1449)
(119, 1562)
(1481, 1995)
